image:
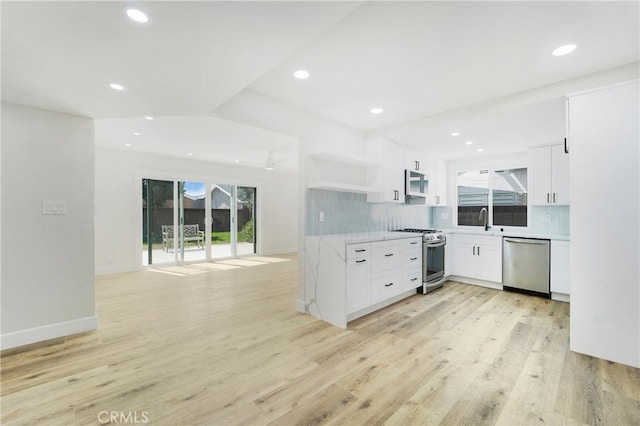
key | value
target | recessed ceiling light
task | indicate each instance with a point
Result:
(148, 117)
(137, 15)
(454, 134)
(127, 144)
(136, 133)
(468, 142)
(480, 149)
(376, 110)
(563, 50)
(116, 86)
(189, 154)
(301, 74)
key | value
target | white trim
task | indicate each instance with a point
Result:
(474, 281)
(600, 88)
(560, 297)
(46, 332)
(117, 270)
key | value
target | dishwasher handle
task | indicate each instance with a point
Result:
(526, 241)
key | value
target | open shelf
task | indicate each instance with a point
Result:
(346, 159)
(341, 187)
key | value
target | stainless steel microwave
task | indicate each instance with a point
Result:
(416, 187)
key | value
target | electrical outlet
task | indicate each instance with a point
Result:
(321, 217)
(546, 218)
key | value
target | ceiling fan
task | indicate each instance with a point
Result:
(270, 162)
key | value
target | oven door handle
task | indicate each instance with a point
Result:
(439, 244)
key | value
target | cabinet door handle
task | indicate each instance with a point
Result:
(478, 250)
(360, 250)
(437, 199)
(417, 165)
(474, 250)
(414, 258)
(547, 197)
(388, 285)
(413, 242)
(414, 279)
(566, 148)
(388, 255)
(554, 198)
(361, 261)
(396, 195)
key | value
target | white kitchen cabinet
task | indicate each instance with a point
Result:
(604, 127)
(478, 257)
(415, 160)
(358, 276)
(559, 270)
(387, 181)
(549, 182)
(437, 182)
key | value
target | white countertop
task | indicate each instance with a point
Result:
(498, 233)
(366, 237)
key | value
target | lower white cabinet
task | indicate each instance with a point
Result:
(358, 277)
(560, 270)
(478, 257)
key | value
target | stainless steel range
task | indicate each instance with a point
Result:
(433, 242)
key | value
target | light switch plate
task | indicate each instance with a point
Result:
(56, 207)
(321, 217)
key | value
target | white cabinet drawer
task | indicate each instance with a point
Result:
(412, 258)
(386, 256)
(385, 286)
(412, 278)
(413, 243)
(358, 250)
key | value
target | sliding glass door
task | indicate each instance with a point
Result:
(246, 220)
(196, 221)
(192, 219)
(157, 221)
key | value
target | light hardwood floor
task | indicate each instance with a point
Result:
(222, 343)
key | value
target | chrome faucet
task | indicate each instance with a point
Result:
(484, 216)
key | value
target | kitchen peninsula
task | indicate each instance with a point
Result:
(350, 275)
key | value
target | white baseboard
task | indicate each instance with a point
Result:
(473, 281)
(560, 297)
(46, 332)
(279, 251)
(116, 270)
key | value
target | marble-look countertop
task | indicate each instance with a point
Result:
(498, 233)
(367, 237)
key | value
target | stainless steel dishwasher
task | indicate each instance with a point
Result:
(525, 265)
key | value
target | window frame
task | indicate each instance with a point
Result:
(491, 168)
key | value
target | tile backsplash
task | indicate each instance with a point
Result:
(346, 212)
(549, 220)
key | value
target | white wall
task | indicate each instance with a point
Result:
(118, 202)
(48, 286)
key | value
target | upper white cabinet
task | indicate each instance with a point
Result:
(386, 181)
(415, 161)
(549, 168)
(437, 182)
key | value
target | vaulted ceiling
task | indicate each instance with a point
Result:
(217, 76)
